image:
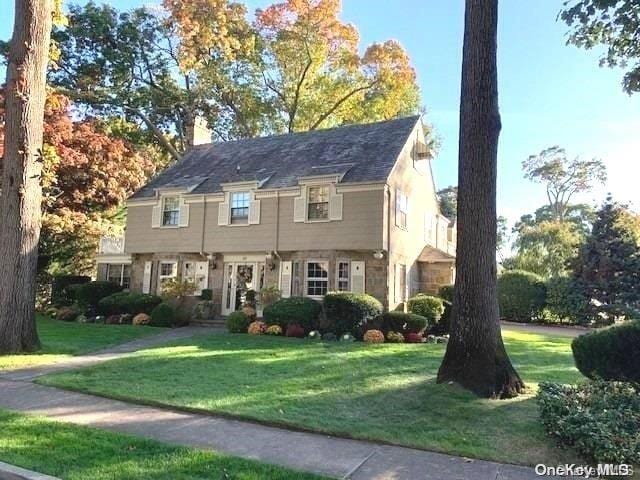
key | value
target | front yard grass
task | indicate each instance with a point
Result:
(79, 453)
(61, 340)
(381, 392)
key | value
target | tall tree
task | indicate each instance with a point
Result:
(614, 24)
(22, 165)
(608, 267)
(87, 173)
(562, 177)
(475, 356)
(448, 201)
(315, 76)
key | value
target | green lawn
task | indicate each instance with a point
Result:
(73, 452)
(61, 340)
(382, 392)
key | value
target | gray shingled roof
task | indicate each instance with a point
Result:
(359, 153)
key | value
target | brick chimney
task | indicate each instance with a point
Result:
(198, 133)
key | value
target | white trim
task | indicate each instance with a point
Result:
(239, 186)
(306, 277)
(244, 257)
(161, 277)
(337, 285)
(113, 259)
(312, 179)
(147, 202)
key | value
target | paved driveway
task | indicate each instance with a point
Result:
(560, 331)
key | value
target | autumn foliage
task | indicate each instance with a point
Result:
(87, 174)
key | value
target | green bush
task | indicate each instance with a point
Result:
(446, 293)
(400, 322)
(427, 306)
(163, 315)
(349, 312)
(600, 419)
(89, 294)
(521, 295)
(206, 294)
(611, 353)
(128, 302)
(238, 322)
(60, 294)
(565, 303)
(301, 311)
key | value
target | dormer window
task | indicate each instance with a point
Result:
(318, 203)
(240, 208)
(170, 211)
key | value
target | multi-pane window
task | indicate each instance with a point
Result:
(402, 209)
(343, 275)
(170, 211)
(318, 203)
(119, 274)
(168, 271)
(239, 208)
(317, 278)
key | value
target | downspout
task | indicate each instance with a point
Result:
(277, 238)
(204, 223)
(388, 191)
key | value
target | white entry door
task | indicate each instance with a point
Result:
(239, 278)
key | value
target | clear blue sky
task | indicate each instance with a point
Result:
(549, 93)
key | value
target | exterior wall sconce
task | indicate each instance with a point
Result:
(378, 254)
(211, 257)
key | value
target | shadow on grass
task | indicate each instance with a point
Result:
(380, 392)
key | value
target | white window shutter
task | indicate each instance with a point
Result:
(285, 279)
(335, 204)
(254, 212)
(223, 213)
(300, 206)
(357, 277)
(156, 213)
(146, 278)
(184, 214)
(202, 276)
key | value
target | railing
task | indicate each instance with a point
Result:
(111, 245)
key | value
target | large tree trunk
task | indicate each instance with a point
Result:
(22, 164)
(475, 356)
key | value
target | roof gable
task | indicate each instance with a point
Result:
(355, 153)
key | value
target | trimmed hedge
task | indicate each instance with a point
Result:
(600, 419)
(611, 353)
(301, 311)
(565, 303)
(349, 312)
(427, 306)
(90, 293)
(521, 295)
(60, 295)
(446, 293)
(128, 302)
(238, 322)
(163, 315)
(399, 322)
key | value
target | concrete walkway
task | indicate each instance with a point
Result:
(553, 330)
(336, 457)
(312, 452)
(111, 353)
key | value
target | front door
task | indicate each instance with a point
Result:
(239, 278)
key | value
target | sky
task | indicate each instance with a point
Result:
(550, 93)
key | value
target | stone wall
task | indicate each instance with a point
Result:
(432, 276)
(375, 271)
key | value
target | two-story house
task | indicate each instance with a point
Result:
(352, 208)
